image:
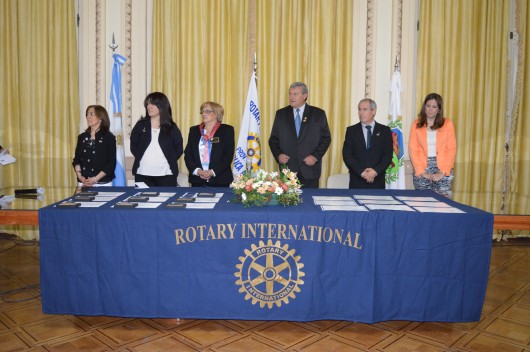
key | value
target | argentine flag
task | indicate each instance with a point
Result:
(248, 153)
(116, 124)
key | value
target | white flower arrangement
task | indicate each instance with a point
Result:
(263, 188)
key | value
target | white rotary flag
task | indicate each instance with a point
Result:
(248, 153)
(395, 174)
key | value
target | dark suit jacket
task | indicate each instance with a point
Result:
(314, 139)
(102, 158)
(357, 158)
(220, 157)
(170, 143)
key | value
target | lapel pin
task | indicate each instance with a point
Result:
(305, 119)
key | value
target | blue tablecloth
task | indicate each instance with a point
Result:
(272, 263)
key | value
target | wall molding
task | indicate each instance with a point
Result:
(100, 50)
(127, 70)
(370, 32)
(399, 31)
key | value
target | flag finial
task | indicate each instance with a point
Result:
(113, 45)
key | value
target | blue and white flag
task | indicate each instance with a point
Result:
(116, 124)
(395, 174)
(248, 153)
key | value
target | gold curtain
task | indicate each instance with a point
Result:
(462, 55)
(201, 50)
(199, 54)
(311, 42)
(39, 95)
(38, 91)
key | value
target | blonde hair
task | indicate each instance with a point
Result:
(217, 108)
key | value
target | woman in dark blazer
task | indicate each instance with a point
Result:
(156, 143)
(210, 149)
(95, 153)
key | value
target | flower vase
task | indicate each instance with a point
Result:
(274, 200)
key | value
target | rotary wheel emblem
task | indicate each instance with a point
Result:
(269, 274)
(253, 145)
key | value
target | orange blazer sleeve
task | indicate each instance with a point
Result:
(446, 147)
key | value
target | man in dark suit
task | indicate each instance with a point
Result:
(300, 136)
(367, 149)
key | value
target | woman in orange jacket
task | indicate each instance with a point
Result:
(432, 148)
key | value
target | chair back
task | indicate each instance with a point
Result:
(338, 181)
(182, 179)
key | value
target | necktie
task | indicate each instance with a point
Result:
(297, 122)
(368, 137)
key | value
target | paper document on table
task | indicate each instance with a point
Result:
(336, 202)
(91, 204)
(428, 204)
(401, 207)
(365, 197)
(6, 158)
(322, 200)
(103, 198)
(166, 194)
(380, 201)
(196, 195)
(318, 198)
(343, 208)
(439, 210)
(147, 205)
(140, 185)
(207, 199)
(161, 198)
(200, 205)
(419, 199)
(110, 194)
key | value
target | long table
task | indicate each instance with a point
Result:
(271, 263)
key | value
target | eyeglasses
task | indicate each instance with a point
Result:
(208, 112)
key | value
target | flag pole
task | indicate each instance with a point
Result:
(115, 112)
(395, 174)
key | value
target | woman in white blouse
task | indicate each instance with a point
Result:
(156, 143)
